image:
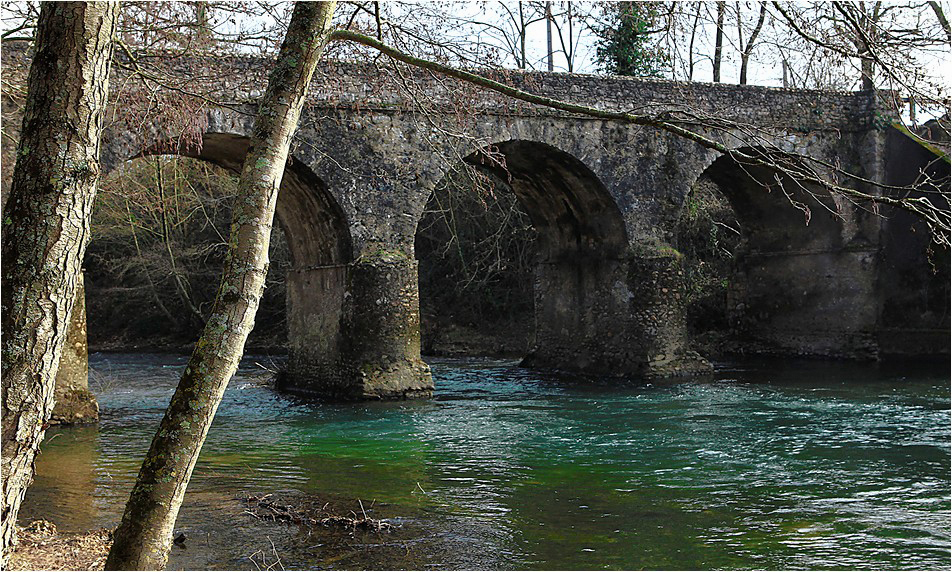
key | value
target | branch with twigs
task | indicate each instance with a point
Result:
(803, 169)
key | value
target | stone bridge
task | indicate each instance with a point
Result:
(604, 196)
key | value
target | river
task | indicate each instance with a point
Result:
(769, 465)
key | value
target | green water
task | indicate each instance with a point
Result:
(770, 465)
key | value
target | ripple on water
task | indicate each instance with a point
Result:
(771, 465)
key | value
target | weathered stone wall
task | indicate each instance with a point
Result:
(914, 283)
(355, 331)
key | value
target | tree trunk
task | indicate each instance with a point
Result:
(943, 21)
(749, 48)
(570, 53)
(522, 38)
(719, 42)
(697, 16)
(865, 40)
(548, 34)
(144, 536)
(46, 224)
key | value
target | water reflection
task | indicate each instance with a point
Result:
(769, 465)
(66, 493)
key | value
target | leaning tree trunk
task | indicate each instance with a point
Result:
(144, 536)
(46, 224)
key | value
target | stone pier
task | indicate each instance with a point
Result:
(613, 317)
(74, 402)
(355, 330)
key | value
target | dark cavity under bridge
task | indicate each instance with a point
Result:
(603, 196)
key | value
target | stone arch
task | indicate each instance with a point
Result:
(803, 277)
(321, 252)
(581, 260)
(777, 213)
(314, 224)
(566, 201)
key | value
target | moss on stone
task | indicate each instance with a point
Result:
(925, 144)
(385, 255)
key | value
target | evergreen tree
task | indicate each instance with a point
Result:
(625, 45)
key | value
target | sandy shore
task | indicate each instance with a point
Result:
(40, 547)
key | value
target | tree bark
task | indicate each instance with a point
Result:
(46, 225)
(943, 21)
(522, 38)
(866, 38)
(144, 536)
(570, 53)
(697, 16)
(548, 34)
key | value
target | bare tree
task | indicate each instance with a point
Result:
(748, 48)
(719, 42)
(517, 22)
(694, 27)
(548, 36)
(568, 20)
(891, 46)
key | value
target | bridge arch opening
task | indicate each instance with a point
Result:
(187, 211)
(772, 263)
(776, 212)
(549, 236)
(313, 222)
(569, 206)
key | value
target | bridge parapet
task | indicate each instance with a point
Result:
(386, 86)
(372, 87)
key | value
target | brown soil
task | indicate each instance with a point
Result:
(40, 547)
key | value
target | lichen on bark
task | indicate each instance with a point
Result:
(46, 225)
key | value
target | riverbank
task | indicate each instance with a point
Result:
(345, 532)
(41, 547)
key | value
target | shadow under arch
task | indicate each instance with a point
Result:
(569, 206)
(580, 321)
(776, 212)
(803, 276)
(313, 222)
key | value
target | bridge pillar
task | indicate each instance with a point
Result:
(577, 310)
(354, 330)
(614, 317)
(73, 401)
(659, 317)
